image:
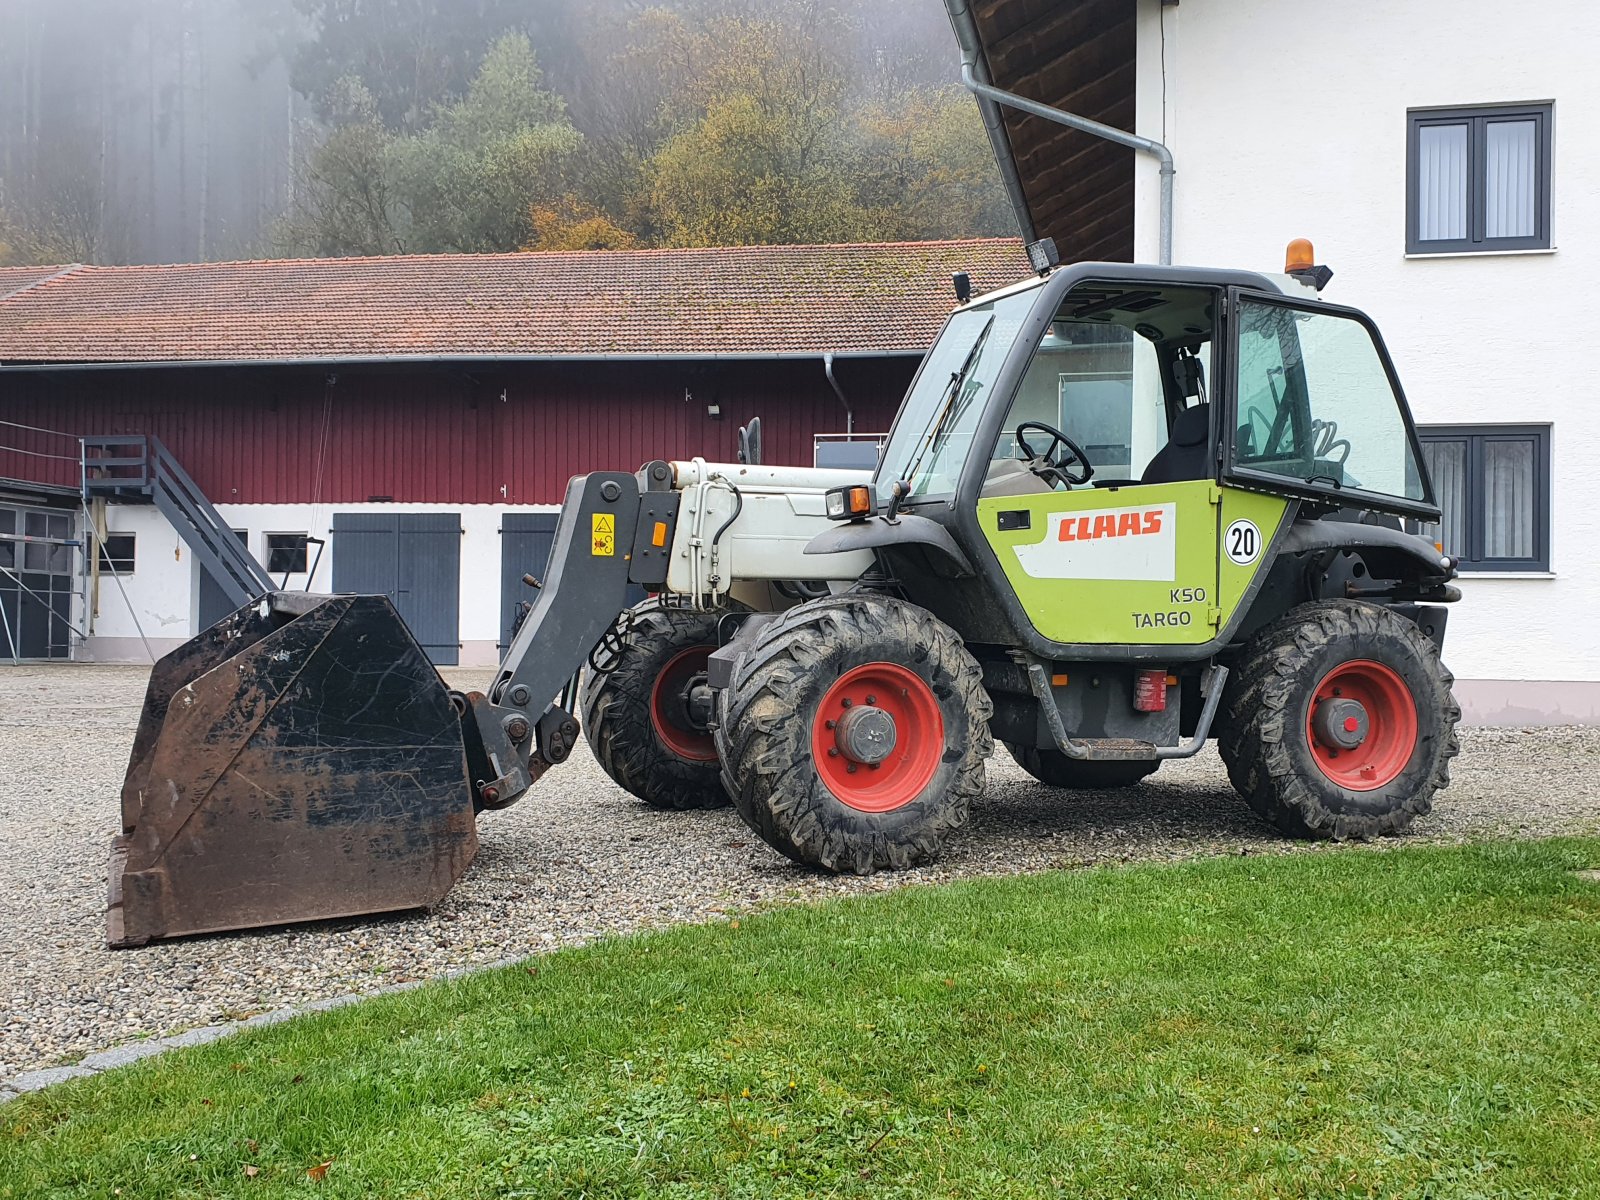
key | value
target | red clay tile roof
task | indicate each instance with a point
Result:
(14, 279)
(756, 300)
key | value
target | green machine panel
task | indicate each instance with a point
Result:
(1145, 565)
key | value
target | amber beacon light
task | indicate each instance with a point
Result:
(1300, 262)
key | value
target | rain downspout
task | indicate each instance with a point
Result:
(971, 71)
(849, 413)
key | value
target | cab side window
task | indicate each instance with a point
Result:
(1315, 403)
(1114, 372)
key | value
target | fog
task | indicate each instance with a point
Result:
(136, 131)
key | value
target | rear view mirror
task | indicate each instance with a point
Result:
(750, 442)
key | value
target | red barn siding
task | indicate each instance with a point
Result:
(439, 435)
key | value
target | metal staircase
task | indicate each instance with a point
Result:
(138, 469)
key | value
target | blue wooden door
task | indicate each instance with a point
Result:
(415, 560)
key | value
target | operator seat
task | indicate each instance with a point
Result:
(1184, 455)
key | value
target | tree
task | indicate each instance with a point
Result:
(345, 201)
(764, 161)
(465, 183)
(412, 55)
(56, 214)
(649, 61)
(927, 169)
(570, 224)
(468, 180)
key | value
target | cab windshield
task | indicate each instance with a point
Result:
(935, 432)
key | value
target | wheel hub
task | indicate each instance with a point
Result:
(698, 702)
(865, 734)
(1362, 725)
(1340, 723)
(680, 705)
(878, 737)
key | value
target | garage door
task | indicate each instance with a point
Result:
(415, 560)
(525, 542)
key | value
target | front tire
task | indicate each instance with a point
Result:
(1340, 722)
(1057, 770)
(854, 735)
(637, 727)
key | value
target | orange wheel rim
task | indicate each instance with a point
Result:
(878, 737)
(1361, 725)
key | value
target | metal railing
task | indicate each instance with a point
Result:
(138, 468)
(860, 450)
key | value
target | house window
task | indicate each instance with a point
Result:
(1493, 487)
(116, 554)
(286, 553)
(1478, 179)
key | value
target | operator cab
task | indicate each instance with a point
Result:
(1115, 395)
(1117, 377)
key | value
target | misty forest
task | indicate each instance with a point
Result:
(135, 131)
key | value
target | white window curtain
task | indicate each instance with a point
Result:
(1442, 183)
(1508, 475)
(1447, 467)
(1510, 178)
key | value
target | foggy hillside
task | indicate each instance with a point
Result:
(137, 131)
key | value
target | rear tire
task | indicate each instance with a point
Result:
(1056, 769)
(785, 711)
(638, 732)
(1325, 674)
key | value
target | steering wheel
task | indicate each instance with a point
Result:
(1047, 464)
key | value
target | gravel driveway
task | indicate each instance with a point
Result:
(577, 858)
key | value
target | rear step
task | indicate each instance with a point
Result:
(299, 760)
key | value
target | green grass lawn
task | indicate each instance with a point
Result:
(1420, 1022)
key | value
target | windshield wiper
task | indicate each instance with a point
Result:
(952, 394)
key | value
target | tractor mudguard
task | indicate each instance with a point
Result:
(906, 530)
(1391, 553)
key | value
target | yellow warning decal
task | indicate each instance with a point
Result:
(605, 535)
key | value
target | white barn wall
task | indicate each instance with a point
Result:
(1288, 119)
(165, 587)
(157, 599)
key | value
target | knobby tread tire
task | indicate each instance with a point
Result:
(1057, 770)
(764, 730)
(616, 712)
(1262, 724)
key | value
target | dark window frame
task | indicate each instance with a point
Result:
(1475, 519)
(1478, 119)
(122, 565)
(273, 564)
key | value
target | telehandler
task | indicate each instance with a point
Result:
(1123, 510)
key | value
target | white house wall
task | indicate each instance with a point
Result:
(1288, 119)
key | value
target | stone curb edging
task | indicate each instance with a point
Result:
(132, 1052)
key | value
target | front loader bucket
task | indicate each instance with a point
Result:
(300, 759)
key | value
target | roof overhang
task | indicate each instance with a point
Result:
(1079, 56)
(43, 495)
(456, 360)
